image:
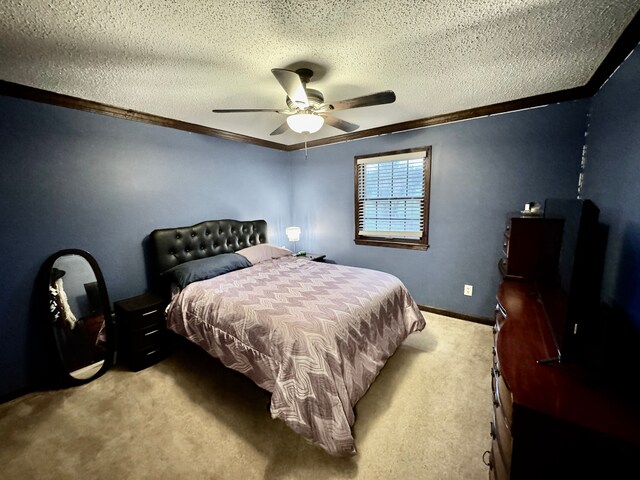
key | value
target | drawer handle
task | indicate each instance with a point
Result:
(152, 352)
(151, 332)
(149, 313)
(486, 461)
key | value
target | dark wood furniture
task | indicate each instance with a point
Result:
(553, 420)
(141, 324)
(530, 247)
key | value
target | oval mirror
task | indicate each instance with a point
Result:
(80, 315)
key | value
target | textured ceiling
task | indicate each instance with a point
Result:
(180, 59)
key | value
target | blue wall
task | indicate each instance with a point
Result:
(72, 179)
(82, 180)
(481, 169)
(612, 181)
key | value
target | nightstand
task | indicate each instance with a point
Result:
(316, 257)
(142, 329)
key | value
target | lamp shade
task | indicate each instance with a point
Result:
(293, 233)
(305, 122)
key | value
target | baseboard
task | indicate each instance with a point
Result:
(461, 316)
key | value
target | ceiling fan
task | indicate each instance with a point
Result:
(306, 109)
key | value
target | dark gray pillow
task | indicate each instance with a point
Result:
(204, 268)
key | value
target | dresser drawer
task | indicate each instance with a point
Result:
(497, 467)
(500, 316)
(503, 266)
(505, 245)
(504, 399)
(502, 437)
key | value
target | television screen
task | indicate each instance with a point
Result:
(572, 295)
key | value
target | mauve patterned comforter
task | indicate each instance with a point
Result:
(314, 334)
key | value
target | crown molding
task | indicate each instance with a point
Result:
(44, 96)
(625, 44)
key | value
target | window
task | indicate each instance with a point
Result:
(392, 198)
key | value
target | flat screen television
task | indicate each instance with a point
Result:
(572, 294)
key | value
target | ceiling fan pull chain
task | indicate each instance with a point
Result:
(306, 157)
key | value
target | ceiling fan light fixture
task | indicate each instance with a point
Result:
(305, 122)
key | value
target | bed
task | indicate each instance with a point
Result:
(315, 335)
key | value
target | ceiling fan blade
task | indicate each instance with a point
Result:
(281, 129)
(245, 110)
(379, 98)
(340, 124)
(293, 85)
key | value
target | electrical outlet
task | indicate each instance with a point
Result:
(468, 290)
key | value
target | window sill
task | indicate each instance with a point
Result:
(391, 243)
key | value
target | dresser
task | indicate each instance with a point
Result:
(553, 420)
(530, 246)
(142, 339)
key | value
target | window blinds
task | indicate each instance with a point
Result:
(391, 195)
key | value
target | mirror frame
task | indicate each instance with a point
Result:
(65, 375)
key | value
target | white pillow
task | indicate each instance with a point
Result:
(262, 252)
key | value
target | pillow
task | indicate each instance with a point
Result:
(262, 252)
(188, 272)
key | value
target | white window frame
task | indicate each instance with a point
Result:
(393, 231)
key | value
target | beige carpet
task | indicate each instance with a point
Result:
(425, 417)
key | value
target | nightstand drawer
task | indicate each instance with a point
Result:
(153, 335)
(142, 359)
(147, 319)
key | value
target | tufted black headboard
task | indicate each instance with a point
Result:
(173, 246)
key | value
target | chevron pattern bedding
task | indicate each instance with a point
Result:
(313, 334)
